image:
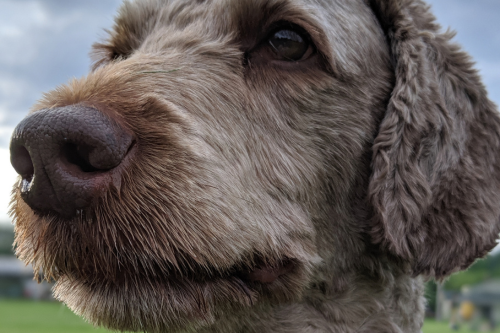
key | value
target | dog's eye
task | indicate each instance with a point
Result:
(290, 45)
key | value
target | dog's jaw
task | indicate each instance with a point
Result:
(151, 297)
(175, 303)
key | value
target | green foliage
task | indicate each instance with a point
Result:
(488, 268)
(6, 240)
(430, 294)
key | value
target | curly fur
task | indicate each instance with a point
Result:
(366, 169)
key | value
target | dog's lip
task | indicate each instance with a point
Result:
(261, 273)
(246, 279)
(267, 274)
(245, 285)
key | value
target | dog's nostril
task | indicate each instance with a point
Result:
(22, 163)
(79, 156)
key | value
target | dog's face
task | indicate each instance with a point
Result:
(245, 130)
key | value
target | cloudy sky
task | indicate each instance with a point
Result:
(44, 43)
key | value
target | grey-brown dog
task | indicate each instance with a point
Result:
(260, 166)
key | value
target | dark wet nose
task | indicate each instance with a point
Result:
(67, 156)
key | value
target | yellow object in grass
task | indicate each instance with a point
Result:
(467, 310)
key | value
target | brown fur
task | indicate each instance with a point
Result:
(363, 167)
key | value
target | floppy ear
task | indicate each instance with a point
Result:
(435, 184)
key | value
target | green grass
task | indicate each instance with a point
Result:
(41, 317)
(54, 317)
(432, 326)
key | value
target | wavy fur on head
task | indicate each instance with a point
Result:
(348, 174)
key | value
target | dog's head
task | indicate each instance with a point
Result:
(225, 155)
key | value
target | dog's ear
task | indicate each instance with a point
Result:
(435, 183)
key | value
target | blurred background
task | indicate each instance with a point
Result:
(44, 43)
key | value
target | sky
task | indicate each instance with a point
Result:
(44, 43)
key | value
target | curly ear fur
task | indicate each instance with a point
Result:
(435, 184)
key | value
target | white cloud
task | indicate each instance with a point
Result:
(13, 30)
(10, 32)
(14, 93)
(32, 13)
(43, 44)
(5, 133)
(13, 88)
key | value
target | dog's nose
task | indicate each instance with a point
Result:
(67, 156)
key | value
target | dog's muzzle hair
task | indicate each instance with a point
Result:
(260, 166)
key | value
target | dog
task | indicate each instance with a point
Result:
(260, 166)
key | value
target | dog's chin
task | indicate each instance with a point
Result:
(150, 305)
(136, 292)
(147, 304)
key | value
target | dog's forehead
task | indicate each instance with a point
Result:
(221, 17)
(344, 30)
